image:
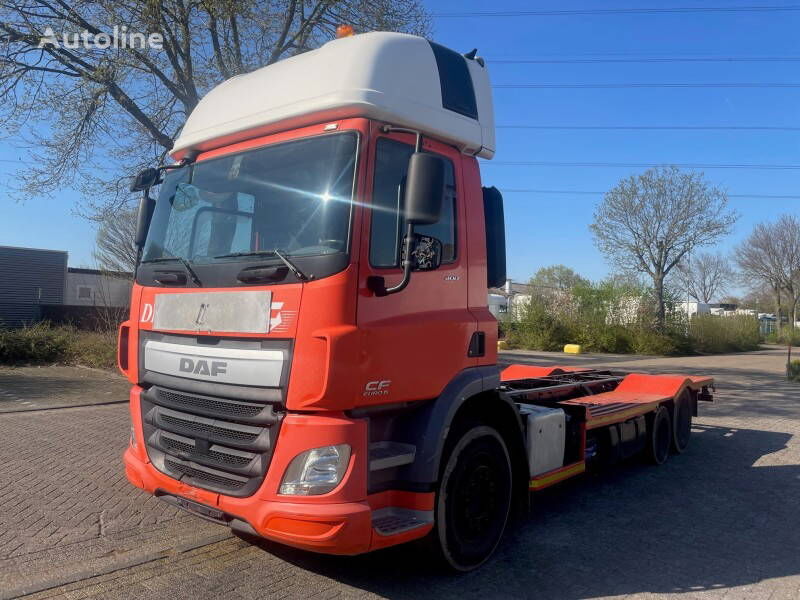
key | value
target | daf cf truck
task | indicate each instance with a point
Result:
(310, 349)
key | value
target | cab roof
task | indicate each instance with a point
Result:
(401, 79)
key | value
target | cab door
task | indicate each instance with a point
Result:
(415, 341)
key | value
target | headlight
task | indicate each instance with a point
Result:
(315, 471)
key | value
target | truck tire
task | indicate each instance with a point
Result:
(474, 500)
(659, 429)
(682, 423)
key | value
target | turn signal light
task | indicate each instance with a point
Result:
(343, 31)
(122, 348)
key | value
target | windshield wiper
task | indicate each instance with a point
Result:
(181, 260)
(297, 272)
(250, 253)
(292, 267)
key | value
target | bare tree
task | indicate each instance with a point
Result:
(705, 275)
(787, 233)
(116, 250)
(101, 113)
(649, 222)
(771, 256)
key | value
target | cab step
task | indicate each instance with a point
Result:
(393, 520)
(386, 455)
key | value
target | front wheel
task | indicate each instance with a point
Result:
(474, 499)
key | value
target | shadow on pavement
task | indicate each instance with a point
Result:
(709, 518)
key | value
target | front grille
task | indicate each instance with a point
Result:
(201, 428)
(206, 475)
(176, 445)
(209, 442)
(231, 459)
(216, 406)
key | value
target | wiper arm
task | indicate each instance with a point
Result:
(181, 260)
(297, 272)
(292, 267)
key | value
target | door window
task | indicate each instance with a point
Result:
(388, 223)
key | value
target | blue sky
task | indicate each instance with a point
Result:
(548, 228)
(544, 229)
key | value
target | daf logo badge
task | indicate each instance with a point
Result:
(213, 368)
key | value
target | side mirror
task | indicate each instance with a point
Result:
(146, 179)
(143, 217)
(423, 206)
(424, 189)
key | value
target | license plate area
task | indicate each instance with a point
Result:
(201, 510)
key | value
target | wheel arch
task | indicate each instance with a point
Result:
(473, 395)
(497, 410)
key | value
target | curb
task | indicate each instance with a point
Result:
(38, 409)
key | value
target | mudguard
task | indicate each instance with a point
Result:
(428, 426)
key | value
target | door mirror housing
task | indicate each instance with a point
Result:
(146, 207)
(146, 179)
(424, 189)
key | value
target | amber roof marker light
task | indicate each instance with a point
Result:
(343, 31)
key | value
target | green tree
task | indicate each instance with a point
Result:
(556, 277)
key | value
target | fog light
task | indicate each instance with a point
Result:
(316, 471)
(133, 438)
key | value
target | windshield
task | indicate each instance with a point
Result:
(294, 197)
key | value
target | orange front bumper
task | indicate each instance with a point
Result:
(340, 528)
(339, 522)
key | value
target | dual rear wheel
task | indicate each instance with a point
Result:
(669, 429)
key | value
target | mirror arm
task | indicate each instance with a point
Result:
(417, 145)
(377, 284)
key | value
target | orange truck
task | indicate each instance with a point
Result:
(312, 356)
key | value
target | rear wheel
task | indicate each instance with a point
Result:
(682, 423)
(659, 436)
(474, 499)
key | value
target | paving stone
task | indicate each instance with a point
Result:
(719, 521)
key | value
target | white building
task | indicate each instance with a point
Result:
(697, 308)
(506, 302)
(498, 305)
(766, 321)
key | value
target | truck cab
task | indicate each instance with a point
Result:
(263, 323)
(310, 348)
